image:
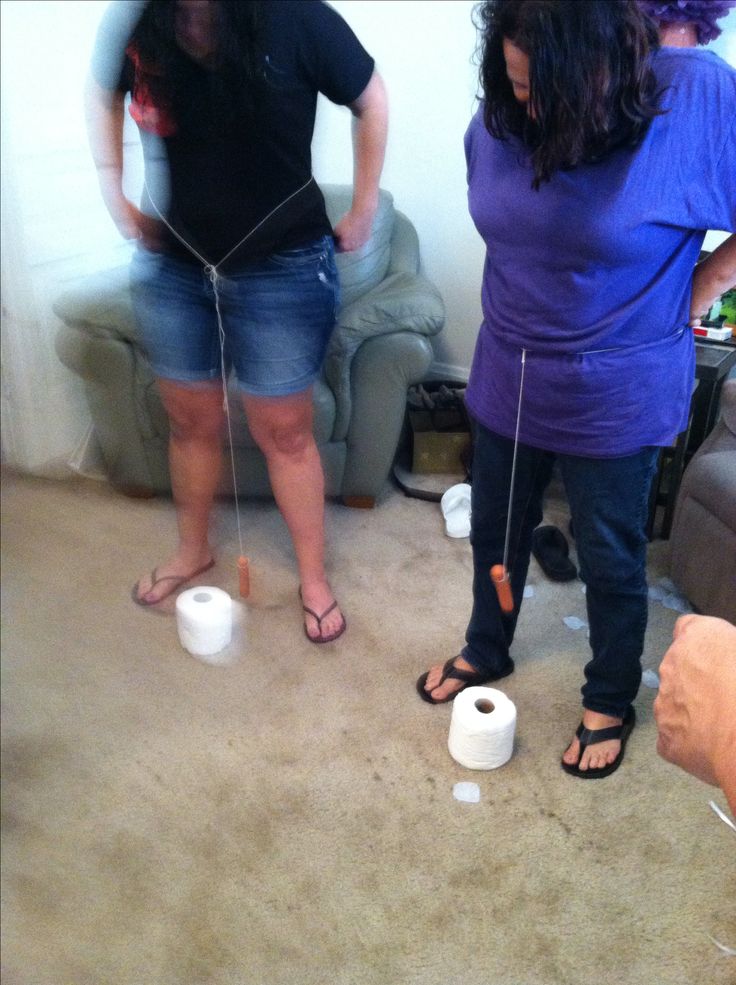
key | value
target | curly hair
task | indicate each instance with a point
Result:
(592, 87)
(703, 14)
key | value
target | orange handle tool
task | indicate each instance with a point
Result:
(500, 577)
(244, 574)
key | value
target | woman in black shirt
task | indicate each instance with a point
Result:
(224, 94)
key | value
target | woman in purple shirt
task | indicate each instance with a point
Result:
(596, 164)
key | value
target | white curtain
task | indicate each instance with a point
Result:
(54, 227)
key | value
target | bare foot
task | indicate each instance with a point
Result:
(317, 596)
(168, 577)
(440, 692)
(595, 756)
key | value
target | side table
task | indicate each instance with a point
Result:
(713, 362)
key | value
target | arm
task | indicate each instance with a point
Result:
(695, 708)
(712, 277)
(104, 111)
(370, 125)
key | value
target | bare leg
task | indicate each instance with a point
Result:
(282, 428)
(195, 456)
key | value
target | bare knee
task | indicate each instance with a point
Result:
(194, 415)
(282, 428)
(285, 441)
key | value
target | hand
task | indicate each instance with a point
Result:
(134, 224)
(695, 708)
(353, 230)
(130, 221)
(698, 311)
(703, 297)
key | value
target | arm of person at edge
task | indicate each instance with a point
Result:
(712, 277)
(105, 113)
(695, 708)
(370, 126)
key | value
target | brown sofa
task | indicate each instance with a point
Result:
(703, 538)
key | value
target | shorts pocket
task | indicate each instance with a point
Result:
(301, 256)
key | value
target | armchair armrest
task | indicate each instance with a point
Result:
(404, 246)
(101, 307)
(404, 302)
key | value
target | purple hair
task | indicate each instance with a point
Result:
(703, 14)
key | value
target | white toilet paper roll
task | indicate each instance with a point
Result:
(204, 620)
(482, 728)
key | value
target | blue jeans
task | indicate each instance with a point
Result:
(609, 499)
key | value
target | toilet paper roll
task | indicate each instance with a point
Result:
(204, 620)
(482, 728)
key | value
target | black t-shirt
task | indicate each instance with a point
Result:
(216, 167)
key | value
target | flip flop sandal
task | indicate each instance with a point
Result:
(551, 550)
(455, 506)
(469, 678)
(178, 581)
(313, 614)
(589, 737)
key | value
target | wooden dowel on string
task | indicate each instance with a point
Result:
(500, 578)
(244, 576)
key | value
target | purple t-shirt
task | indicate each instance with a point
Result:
(592, 273)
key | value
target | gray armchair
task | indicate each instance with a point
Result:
(379, 348)
(703, 537)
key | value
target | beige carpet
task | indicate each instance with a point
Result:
(290, 818)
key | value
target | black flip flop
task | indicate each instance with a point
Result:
(551, 550)
(589, 737)
(470, 678)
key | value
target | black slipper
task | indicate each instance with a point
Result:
(589, 737)
(470, 678)
(550, 548)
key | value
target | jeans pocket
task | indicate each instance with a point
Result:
(301, 256)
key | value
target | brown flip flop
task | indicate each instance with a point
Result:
(313, 614)
(178, 581)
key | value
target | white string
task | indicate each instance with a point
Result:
(724, 817)
(724, 948)
(513, 466)
(214, 276)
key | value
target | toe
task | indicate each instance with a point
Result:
(572, 753)
(434, 677)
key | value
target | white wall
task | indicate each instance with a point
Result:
(425, 50)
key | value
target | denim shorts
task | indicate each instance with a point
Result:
(277, 317)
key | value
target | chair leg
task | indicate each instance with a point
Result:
(137, 492)
(359, 502)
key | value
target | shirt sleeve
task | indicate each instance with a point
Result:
(334, 59)
(109, 64)
(700, 128)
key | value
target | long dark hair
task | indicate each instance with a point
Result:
(238, 64)
(592, 88)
